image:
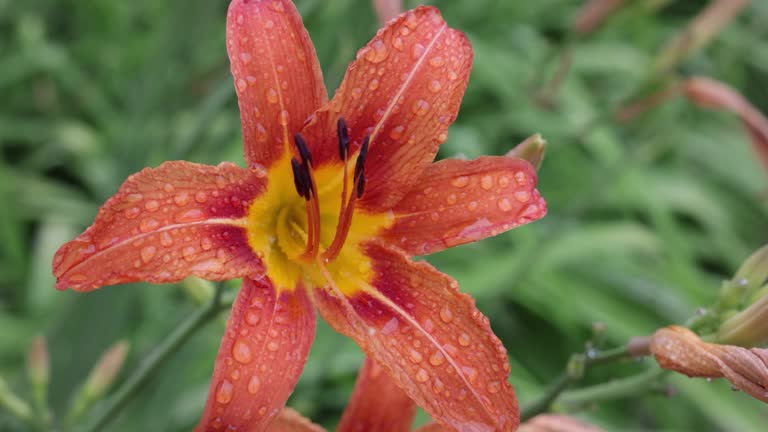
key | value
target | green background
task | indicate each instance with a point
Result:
(645, 218)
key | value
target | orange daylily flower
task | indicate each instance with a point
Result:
(336, 200)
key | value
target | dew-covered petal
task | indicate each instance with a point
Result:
(164, 224)
(277, 75)
(458, 201)
(404, 90)
(434, 427)
(261, 357)
(431, 339)
(377, 404)
(289, 420)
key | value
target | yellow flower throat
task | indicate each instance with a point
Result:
(280, 224)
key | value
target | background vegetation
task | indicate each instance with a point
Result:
(646, 218)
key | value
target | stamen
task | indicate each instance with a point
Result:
(301, 145)
(307, 188)
(347, 211)
(343, 133)
(299, 178)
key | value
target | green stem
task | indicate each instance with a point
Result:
(577, 367)
(155, 360)
(631, 386)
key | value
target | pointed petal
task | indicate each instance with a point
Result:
(164, 224)
(277, 75)
(403, 90)
(261, 357)
(377, 404)
(289, 420)
(432, 340)
(457, 201)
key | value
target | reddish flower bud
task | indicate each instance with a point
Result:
(681, 350)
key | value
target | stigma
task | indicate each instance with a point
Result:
(306, 187)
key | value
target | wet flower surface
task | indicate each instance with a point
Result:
(337, 198)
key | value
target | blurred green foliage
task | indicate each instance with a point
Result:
(645, 220)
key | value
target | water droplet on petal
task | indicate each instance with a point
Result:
(253, 384)
(134, 197)
(396, 132)
(373, 85)
(201, 197)
(272, 96)
(189, 253)
(437, 61)
(446, 315)
(273, 346)
(486, 182)
(242, 85)
(252, 318)
(147, 253)
(472, 206)
(152, 205)
(357, 92)
(493, 387)
(451, 199)
(148, 224)
(422, 375)
(166, 239)
(224, 392)
(417, 51)
(132, 213)
(269, 24)
(437, 358)
(242, 352)
(464, 339)
(261, 133)
(191, 215)
(523, 196)
(284, 117)
(460, 182)
(504, 204)
(470, 373)
(397, 43)
(181, 199)
(376, 52)
(415, 356)
(435, 86)
(420, 107)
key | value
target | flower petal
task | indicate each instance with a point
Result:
(289, 420)
(457, 201)
(403, 90)
(277, 75)
(261, 357)
(433, 427)
(432, 340)
(377, 404)
(164, 224)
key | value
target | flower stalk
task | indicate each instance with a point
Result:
(155, 360)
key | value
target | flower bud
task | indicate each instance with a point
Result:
(556, 423)
(38, 363)
(681, 350)
(532, 150)
(101, 378)
(699, 32)
(387, 9)
(747, 328)
(106, 370)
(593, 13)
(746, 282)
